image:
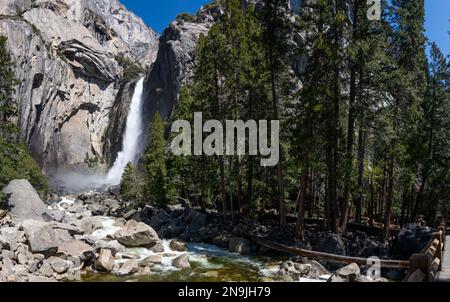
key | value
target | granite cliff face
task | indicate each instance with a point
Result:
(175, 61)
(78, 61)
(73, 57)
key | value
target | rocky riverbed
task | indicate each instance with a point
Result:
(95, 237)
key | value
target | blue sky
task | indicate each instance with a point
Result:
(159, 13)
(438, 23)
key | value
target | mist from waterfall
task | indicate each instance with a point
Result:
(132, 140)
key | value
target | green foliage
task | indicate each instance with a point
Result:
(131, 185)
(15, 159)
(187, 18)
(158, 187)
(17, 163)
(131, 70)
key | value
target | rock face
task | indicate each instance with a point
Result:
(23, 202)
(71, 60)
(174, 65)
(136, 234)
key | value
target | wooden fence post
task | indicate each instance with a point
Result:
(422, 262)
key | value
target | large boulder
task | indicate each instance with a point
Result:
(349, 273)
(41, 237)
(239, 245)
(59, 265)
(182, 262)
(136, 234)
(90, 224)
(105, 261)
(332, 244)
(412, 238)
(128, 268)
(178, 246)
(23, 201)
(112, 245)
(74, 248)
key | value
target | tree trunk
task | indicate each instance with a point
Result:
(362, 137)
(222, 186)
(279, 167)
(390, 191)
(300, 230)
(350, 128)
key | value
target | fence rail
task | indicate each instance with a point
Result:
(425, 266)
(422, 267)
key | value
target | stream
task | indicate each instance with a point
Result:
(209, 263)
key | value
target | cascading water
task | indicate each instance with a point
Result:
(132, 140)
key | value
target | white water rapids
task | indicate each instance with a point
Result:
(131, 146)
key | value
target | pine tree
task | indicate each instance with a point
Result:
(435, 131)
(408, 90)
(158, 187)
(131, 185)
(275, 34)
(7, 85)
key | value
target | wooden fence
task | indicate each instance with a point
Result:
(422, 267)
(425, 266)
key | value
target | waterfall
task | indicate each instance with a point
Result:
(132, 140)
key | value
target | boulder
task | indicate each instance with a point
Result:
(41, 237)
(332, 244)
(115, 191)
(195, 219)
(98, 209)
(46, 269)
(59, 265)
(130, 256)
(74, 248)
(8, 242)
(182, 262)
(58, 215)
(22, 259)
(150, 260)
(159, 219)
(222, 240)
(112, 205)
(128, 268)
(62, 235)
(112, 245)
(23, 202)
(349, 273)
(158, 247)
(105, 261)
(178, 246)
(335, 279)
(294, 270)
(129, 214)
(412, 238)
(239, 245)
(90, 224)
(136, 234)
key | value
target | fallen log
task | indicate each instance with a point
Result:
(400, 264)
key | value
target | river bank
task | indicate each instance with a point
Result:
(94, 236)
